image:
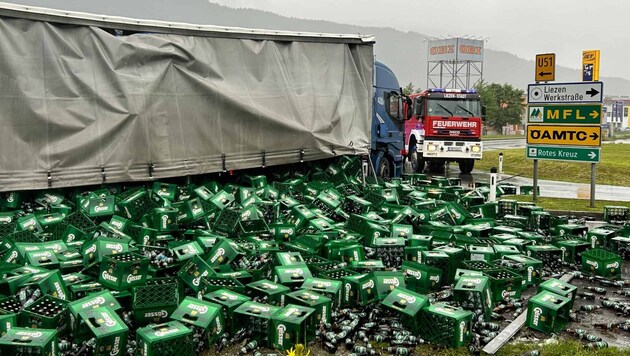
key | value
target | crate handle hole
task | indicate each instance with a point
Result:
(191, 317)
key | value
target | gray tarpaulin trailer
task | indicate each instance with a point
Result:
(86, 96)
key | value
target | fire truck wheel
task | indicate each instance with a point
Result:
(466, 165)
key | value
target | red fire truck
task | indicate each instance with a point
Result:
(445, 127)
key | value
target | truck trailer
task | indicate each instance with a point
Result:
(88, 99)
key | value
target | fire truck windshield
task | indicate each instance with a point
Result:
(458, 108)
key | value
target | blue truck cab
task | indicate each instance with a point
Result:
(388, 129)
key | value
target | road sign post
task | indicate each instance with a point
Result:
(564, 135)
(545, 67)
(565, 93)
(569, 154)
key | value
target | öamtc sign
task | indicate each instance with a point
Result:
(455, 49)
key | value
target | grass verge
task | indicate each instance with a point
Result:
(614, 168)
(501, 137)
(563, 347)
(567, 204)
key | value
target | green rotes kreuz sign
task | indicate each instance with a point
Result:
(572, 154)
(565, 114)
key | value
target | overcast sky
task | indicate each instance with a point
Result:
(522, 27)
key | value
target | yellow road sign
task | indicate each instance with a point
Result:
(590, 65)
(564, 135)
(545, 67)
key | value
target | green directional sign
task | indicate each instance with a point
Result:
(565, 114)
(572, 154)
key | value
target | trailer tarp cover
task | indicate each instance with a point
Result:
(76, 99)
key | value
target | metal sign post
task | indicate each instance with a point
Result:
(593, 185)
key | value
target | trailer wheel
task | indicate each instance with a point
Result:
(466, 165)
(384, 169)
(417, 163)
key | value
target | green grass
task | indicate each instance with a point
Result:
(563, 347)
(567, 204)
(614, 168)
(501, 137)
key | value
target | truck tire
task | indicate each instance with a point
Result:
(436, 166)
(417, 163)
(384, 169)
(466, 165)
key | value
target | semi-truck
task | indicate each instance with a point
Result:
(445, 126)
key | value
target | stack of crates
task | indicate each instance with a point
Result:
(602, 263)
(441, 261)
(321, 305)
(548, 312)
(326, 287)
(229, 301)
(171, 338)
(123, 271)
(455, 254)
(446, 325)
(572, 249)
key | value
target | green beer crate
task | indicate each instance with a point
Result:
(202, 314)
(291, 276)
(123, 271)
(546, 253)
(520, 244)
(94, 251)
(534, 237)
(192, 272)
(506, 250)
(224, 252)
(421, 278)
(602, 263)
(600, 237)
(327, 287)
(268, 292)
(530, 268)
(528, 190)
(367, 266)
(289, 259)
(387, 281)
(548, 312)
(107, 328)
(255, 317)
(390, 250)
(408, 305)
(477, 230)
(621, 246)
(46, 259)
(455, 254)
(473, 292)
(519, 221)
(45, 313)
(414, 253)
(578, 231)
(358, 289)
(481, 253)
(93, 301)
(527, 210)
(49, 283)
(228, 300)
(25, 341)
(171, 338)
(155, 301)
(292, 325)
(7, 322)
(420, 240)
(560, 288)
(320, 303)
(572, 249)
(446, 325)
(505, 284)
(215, 282)
(186, 251)
(616, 214)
